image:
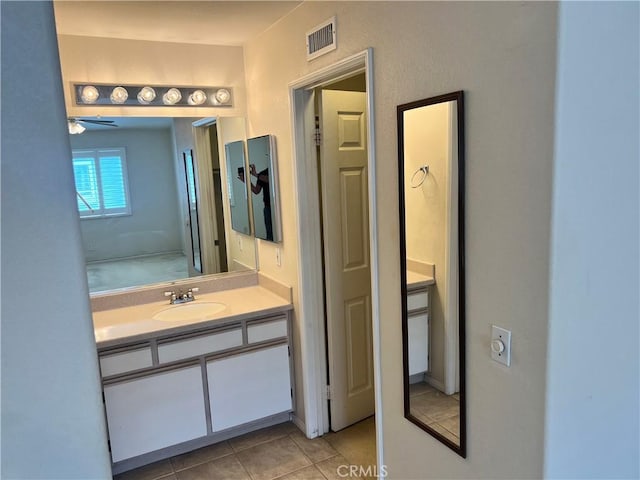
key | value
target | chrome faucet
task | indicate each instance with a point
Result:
(181, 296)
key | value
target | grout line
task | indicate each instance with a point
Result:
(200, 463)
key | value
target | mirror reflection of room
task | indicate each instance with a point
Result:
(139, 223)
(430, 179)
(238, 198)
(261, 153)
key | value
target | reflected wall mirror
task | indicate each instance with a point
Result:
(431, 180)
(237, 187)
(177, 223)
(264, 188)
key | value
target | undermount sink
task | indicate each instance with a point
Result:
(189, 311)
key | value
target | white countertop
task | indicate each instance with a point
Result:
(415, 280)
(136, 323)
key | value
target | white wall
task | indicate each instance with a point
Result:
(52, 414)
(503, 56)
(154, 225)
(593, 393)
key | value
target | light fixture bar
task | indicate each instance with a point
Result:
(125, 95)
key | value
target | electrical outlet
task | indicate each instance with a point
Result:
(278, 257)
(501, 345)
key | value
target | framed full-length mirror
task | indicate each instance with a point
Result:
(431, 188)
(263, 177)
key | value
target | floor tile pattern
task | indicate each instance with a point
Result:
(280, 452)
(437, 410)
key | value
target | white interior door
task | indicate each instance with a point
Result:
(343, 159)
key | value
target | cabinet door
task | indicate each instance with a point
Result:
(418, 343)
(249, 386)
(149, 413)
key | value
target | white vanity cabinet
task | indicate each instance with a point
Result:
(418, 330)
(155, 411)
(171, 393)
(249, 386)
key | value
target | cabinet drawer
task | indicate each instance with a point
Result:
(199, 345)
(417, 300)
(128, 361)
(261, 331)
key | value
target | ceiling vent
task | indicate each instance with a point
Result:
(321, 39)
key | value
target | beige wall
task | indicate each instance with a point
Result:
(426, 142)
(503, 56)
(107, 60)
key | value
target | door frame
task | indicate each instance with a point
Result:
(206, 202)
(309, 252)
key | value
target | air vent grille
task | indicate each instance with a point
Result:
(321, 39)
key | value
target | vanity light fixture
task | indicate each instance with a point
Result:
(152, 95)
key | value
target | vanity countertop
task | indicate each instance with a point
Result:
(135, 323)
(418, 280)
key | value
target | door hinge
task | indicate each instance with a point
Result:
(104, 400)
(329, 392)
(289, 350)
(317, 135)
(109, 445)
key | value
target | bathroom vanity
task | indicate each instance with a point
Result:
(418, 292)
(176, 384)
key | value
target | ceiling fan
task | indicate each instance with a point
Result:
(76, 124)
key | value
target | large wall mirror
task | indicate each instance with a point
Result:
(263, 176)
(431, 177)
(176, 223)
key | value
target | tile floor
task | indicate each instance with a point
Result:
(437, 410)
(281, 452)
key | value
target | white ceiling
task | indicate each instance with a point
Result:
(202, 22)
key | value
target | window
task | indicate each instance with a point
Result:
(101, 182)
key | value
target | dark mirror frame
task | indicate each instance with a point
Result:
(401, 109)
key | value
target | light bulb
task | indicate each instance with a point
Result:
(89, 94)
(172, 96)
(197, 98)
(75, 127)
(146, 95)
(119, 95)
(223, 95)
